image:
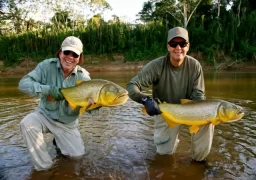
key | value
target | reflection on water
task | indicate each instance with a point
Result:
(119, 142)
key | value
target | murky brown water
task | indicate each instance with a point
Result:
(119, 141)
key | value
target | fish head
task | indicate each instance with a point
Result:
(112, 94)
(229, 112)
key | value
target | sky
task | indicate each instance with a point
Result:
(125, 8)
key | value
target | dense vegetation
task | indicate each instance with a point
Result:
(219, 31)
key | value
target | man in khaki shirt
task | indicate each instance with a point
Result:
(173, 77)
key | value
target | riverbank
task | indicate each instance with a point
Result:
(113, 66)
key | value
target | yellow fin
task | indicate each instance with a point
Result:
(171, 124)
(89, 107)
(193, 129)
(82, 109)
(71, 104)
(168, 120)
(144, 110)
(79, 82)
(184, 101)
(93, 106)
(215, 122)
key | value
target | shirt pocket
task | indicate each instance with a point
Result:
(51, 105)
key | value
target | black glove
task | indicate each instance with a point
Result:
(54, 92)
(151, 106)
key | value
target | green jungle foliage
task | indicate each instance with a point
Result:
(232, 35)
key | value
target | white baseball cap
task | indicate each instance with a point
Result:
(72, 43)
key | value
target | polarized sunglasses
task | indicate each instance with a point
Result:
(175, 44)
(67, 52)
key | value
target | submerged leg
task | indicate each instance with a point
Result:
(201, 142)
(165, 138)
(32, 129)
(67, 138)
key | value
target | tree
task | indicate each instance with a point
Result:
(180, 10)
(146, 14)
(61, 20)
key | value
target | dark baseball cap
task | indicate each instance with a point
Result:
(177, 32)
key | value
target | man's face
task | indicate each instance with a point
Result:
(178, 49)
(68, 60)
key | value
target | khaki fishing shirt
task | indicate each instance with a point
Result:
(49, 73)
(169, 84)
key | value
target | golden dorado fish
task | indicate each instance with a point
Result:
(195, 113)
(102, 92)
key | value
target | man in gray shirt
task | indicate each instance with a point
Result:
(173, 77)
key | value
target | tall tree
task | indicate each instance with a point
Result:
(180, 10)
(146, 14)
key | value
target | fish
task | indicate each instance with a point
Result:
(195, 113)
(102, 92)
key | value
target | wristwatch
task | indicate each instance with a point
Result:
(144, 99)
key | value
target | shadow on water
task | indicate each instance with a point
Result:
(119, 142)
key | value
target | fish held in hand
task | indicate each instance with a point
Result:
(102, 92)
(195, 113)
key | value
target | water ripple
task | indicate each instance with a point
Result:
(119, 145)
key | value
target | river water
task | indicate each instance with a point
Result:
(119, 142)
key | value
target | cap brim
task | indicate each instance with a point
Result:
(176, 37)
(69, 48)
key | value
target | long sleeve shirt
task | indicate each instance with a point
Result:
(169, 84)
(46, 74)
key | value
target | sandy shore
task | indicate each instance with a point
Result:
(27, 66)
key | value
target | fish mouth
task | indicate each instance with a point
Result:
(123, 96)
(238, 116)
(121, 99)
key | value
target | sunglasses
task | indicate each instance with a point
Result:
(67, 52)
(175, 44)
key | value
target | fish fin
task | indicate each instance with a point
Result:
(168, 120)
(171, 124)
(184, 101)
(193, 129)
(144, 111)
(215, 123)
(71, 104)
(93, 106)
(89, 108)
(79, 82)
(81, 111)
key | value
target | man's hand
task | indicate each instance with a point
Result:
(151, 106)
(93, 112)
(55, 93)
